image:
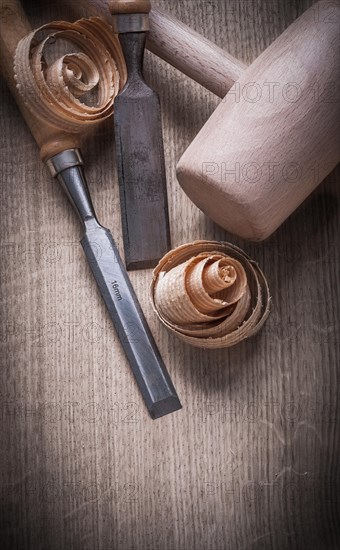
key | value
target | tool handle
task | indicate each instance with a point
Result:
(118, 7)
(130, 16)
(192, 54)
(13, 27)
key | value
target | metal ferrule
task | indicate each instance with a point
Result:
(68, 168)
(135, 22)
(62, 161)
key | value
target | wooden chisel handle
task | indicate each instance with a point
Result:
(13, 27)
(130, 16)
(129, 6)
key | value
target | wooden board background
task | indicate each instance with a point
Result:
(252, 460)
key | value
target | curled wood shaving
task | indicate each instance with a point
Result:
(53, 93)
(210, 294)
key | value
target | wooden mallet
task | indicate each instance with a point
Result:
(275, 135)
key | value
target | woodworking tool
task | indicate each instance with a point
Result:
(139, 146)
(115, 287)
(65, 163)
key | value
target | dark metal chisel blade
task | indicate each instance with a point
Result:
(140, 161)
(142, 179)
(134, 334)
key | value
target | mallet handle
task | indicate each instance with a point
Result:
(13, 27)
(192, 54)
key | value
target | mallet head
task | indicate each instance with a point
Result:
(275, 136)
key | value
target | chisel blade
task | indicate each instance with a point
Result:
(133, 332)
(141, 173)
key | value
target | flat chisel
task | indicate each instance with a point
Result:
(64, 161)
(139, 145)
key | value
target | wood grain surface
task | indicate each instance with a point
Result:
(252, 460)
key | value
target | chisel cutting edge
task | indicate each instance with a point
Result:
(139, 145)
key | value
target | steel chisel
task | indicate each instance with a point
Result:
(139, 145)
(115, 287)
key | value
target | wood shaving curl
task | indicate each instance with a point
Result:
(210, 294)
(53, 93)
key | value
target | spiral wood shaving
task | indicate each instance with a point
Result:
(54, 93)
(210, 294)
